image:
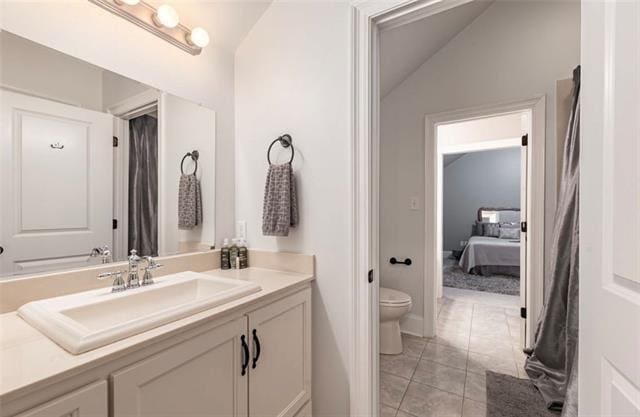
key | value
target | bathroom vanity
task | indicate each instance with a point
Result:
(250, 356)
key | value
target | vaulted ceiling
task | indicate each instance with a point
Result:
(404, 49)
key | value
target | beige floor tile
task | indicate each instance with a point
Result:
(451, 339)
(425, 401)
(479, 364)
(392, 389)
(399, 365)
(440, 376)
(495, 346)
(445, 355)
(403, 414)
(475, 387)
(412, 345)
(386, 411)
(472, 408)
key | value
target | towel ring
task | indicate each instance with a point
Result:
(194, 157)
(286, 141)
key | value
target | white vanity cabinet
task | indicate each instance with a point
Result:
(198, 377)
(280, 374)
(255, 362)
(90, 401)
(256, 365)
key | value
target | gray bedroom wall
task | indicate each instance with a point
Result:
(477, 179)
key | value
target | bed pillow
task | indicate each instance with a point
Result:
(491, 229)
(509, 233)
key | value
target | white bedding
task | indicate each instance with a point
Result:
(484, 251)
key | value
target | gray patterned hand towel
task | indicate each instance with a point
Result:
(189, 202)
(280, 209)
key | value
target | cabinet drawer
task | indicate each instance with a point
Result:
(90, 401)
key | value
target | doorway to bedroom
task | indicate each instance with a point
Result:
(481, 213)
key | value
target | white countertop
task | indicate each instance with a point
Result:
(29, 359)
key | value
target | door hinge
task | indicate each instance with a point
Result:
(523, 227)
(115, 141)
(525, 139)
(523, 312)
(115, 224)
(370, 276)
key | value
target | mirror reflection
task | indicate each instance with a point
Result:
(95, 165)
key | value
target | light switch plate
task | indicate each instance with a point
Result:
(413, 203)
(241, 229)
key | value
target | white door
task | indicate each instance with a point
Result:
(55, 183)
(203, 376)
(609, 358)
(524, 165)
(184, 126)
(280, 375)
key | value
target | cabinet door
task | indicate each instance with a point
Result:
(199, 377)
(90, 401)
(280, 333)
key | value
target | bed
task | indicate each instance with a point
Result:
(491, 255)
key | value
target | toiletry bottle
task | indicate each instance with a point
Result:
(243, 254)
(233, 253)
(225, 263)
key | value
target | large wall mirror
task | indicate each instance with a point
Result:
(94, 165)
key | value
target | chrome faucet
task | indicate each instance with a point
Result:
(103, 252)
(118, 283)
(132, 279)
(147, 279)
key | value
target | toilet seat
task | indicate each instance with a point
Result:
(393, 298)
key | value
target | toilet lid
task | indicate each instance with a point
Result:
(393, 297)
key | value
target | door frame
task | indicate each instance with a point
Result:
(533, 213)
(123, 111)
(368, 18)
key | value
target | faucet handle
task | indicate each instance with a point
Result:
(118, 282)
(147, 279)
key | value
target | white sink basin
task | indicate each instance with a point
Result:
(88, 320)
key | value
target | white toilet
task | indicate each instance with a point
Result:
(393, 306)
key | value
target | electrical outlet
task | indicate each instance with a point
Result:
(413, 203)
(241, 229)
(463, 243)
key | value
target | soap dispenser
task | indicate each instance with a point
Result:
(225, 263)
(243, 254)
(233, 253)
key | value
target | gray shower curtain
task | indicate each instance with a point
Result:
(553, 361)
(143, 185)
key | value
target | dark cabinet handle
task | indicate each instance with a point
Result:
(394, 261)
(256, 343)
(245, 359)
(1, 250)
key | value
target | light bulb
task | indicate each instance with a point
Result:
(198, 37)
(166, 16)
(127, 2)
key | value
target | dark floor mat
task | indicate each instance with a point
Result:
(454, 276)
(513, 397)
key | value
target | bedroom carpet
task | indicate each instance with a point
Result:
(454, 276)
(508, 397)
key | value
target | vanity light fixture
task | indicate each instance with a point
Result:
(166, 16)
(163, 22)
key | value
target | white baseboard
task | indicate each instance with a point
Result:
(412, 324)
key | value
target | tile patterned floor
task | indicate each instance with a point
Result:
(444, 376)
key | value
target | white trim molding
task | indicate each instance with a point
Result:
(368, 18)
(534, 209)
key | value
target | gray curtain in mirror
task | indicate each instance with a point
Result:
(143, 185)
(553, 361)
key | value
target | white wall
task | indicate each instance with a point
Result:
(514, 50)
(63, 78)
(292, 76)
(85, 31)
(117, 88)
